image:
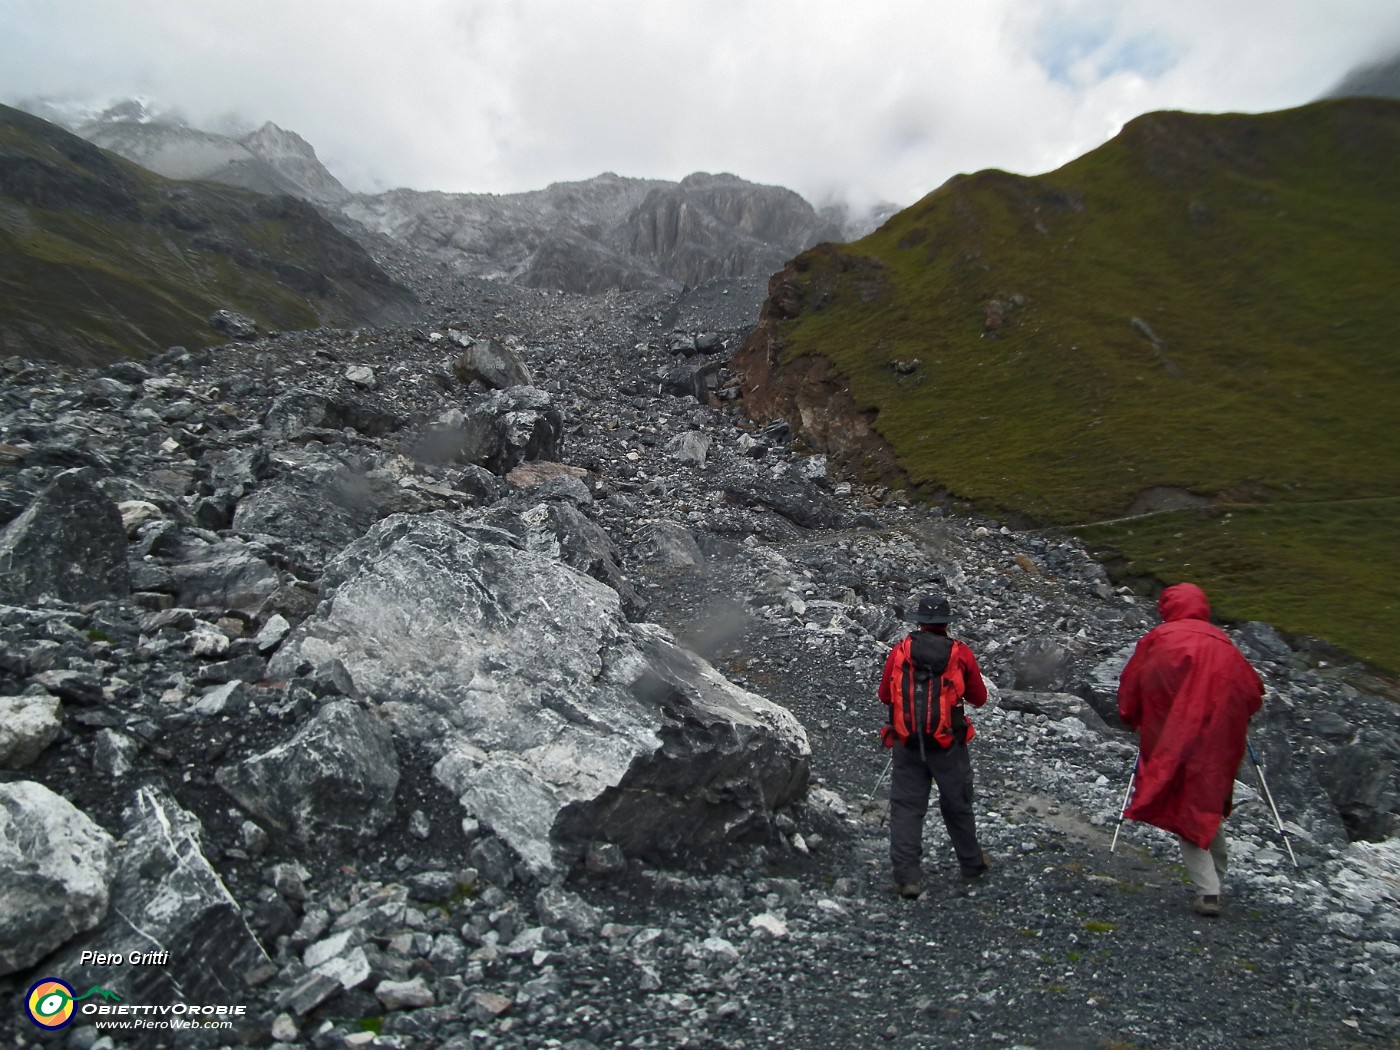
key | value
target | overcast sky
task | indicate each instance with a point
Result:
(869, 99)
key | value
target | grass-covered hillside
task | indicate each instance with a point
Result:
(1205, 304)
(101, 259)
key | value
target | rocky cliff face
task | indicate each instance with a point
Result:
(809, 393)
(295, 160)
(607, 232)
(719, 226)
(512, 236)
(521, 692)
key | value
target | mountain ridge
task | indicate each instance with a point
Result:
(582, 236)
(101, 259)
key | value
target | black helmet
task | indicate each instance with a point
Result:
(932, 610)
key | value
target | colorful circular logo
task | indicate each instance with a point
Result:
(50, 1003)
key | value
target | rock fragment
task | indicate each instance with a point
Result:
(55, 869)
(70, 543)
(334, 780)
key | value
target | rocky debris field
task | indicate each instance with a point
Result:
(354, 670)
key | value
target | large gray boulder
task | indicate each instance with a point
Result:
(1058, 707)
(220, 574)
(1300, 782)
(316, 509)
(499, 431)
(800, 502)
(234, 325)
(668, 545)
(1361, 779)
(70, 543)
(690, 448)
(300, 411)
(515, 426)
(333, 781)
(54, 869)
(552, 718)
(1100, 686)
(166, 898)
(487, 362)
(697, 379)
(1040, 665)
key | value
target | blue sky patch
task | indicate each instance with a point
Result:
(1070, 50)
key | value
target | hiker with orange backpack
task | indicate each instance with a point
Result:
(927, 678)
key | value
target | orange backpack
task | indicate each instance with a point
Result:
(928, 691)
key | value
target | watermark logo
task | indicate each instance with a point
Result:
(50, 1001)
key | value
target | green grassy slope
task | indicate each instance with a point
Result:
(1324, 569)
(101, 259)
(1204, 303)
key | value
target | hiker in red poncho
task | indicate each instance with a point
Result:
(1190, 693)
(927, 677)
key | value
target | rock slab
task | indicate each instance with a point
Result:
(28, 724)
(167, 898)
(333, 781)
(556, 721)
(70, 543)
(54, 869)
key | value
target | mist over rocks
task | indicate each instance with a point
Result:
(269, 160)
(594, 674)
(607, 233)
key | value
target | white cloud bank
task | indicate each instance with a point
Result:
(884, 99)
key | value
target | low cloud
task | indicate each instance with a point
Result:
(880, 101)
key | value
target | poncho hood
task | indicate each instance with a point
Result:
(1183, 601)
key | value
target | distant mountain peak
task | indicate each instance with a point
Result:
(272, 141)
(144, 264)
(138, 109)
(1375, 80)
(130, 110)
(270, 160)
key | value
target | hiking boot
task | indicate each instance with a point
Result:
(910, 891)
(972, 874)
(1207, 906)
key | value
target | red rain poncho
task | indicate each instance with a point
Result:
(1191, 693)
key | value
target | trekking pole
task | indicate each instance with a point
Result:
(884, 773)
(1269, 796)
(1127, 795)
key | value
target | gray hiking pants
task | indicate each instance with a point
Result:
(1206, 866)
(912, 775)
